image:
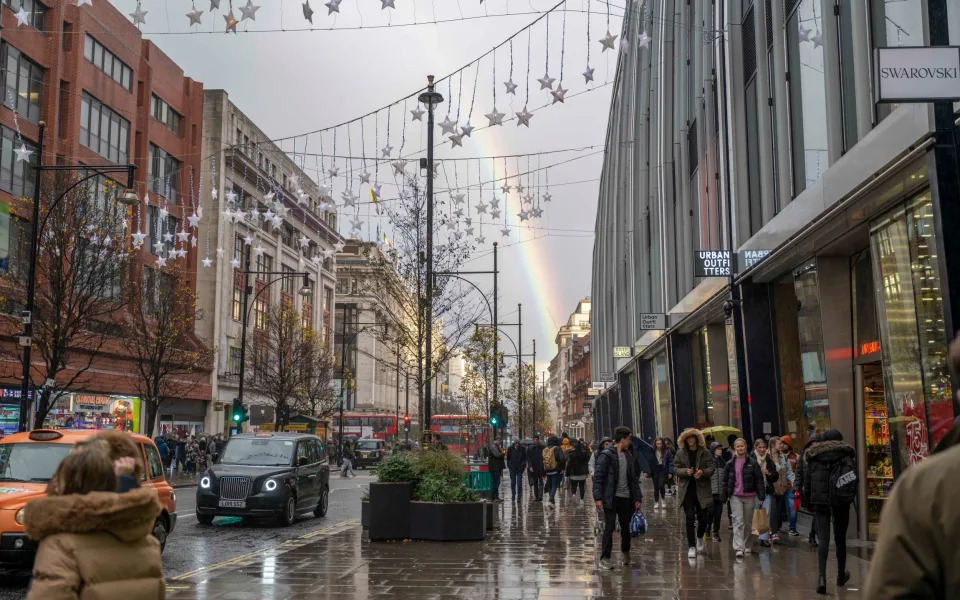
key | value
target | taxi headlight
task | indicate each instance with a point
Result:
(270, 485)
(19, 516)
(205, 482)
(173, 496)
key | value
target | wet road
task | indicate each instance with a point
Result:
(192, 546)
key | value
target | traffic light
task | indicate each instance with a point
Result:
(406, 423)
(239, 412)
(495, 418)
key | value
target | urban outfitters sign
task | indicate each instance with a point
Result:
(712, 263)
(923, 74)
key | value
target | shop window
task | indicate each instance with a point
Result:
(661, 388)
(897, 24)
(702, 394)
(912, 331)
(806, 86)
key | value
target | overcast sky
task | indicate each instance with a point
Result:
(292, 82)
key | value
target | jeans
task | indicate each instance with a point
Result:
(495, 477)
(694, 512)
(765, 505)
(516, 484)
(791, 510)
(659, 478)
(346, 469)
(622, 510)
(741, 510)
(553, 484)
(777, 504)
(716, 512)
(578, 483)
(841, 519)
(536, 483)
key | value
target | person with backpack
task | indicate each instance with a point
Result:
(694, 467)
(516, 464)
(577, 470)
(798, 479)
(535, 468)
(616, 491)
(496, 464)
(554, 461)
(829, 487)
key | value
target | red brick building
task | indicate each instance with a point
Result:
(107, 97)
(579, 381)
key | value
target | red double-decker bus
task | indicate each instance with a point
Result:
(463, 435)
(364, 425)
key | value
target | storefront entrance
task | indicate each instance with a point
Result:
(874, 439)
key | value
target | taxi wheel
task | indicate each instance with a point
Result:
(160, 532)
(322, 504)
(204, 519)
(288, 514)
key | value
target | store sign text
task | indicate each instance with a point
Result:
(653, 321)
(918, 74)
(869, 348)
(622, 351)
(712, 263)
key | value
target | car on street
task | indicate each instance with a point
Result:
(277, 475)
(369, 452)
(29, 460)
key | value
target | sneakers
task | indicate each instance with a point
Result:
(716, 537)
(747, 550)
(765, 543)
(656, 505)
(739, 553)
(626, 558)
(605, 564)
(794, 532)
(700, 545)
(774, 538)
(692, 552)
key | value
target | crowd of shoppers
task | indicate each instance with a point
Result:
(189, 454)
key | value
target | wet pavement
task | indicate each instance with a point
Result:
(536, 553)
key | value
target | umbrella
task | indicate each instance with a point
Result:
(721, 432)
(644, 453)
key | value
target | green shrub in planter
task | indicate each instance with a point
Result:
(435, 487)
(396, 468)
(441, 462)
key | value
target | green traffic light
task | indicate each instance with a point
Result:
(236, 417)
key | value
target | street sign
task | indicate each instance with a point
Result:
(653, 321)
(712, 263)
(622, 351)
(918, 74)
(748, 258)
(607, 376)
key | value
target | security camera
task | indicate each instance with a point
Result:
(728, 308)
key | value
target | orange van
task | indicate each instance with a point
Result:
(29, 460)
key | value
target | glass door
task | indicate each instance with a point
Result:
(878, 459)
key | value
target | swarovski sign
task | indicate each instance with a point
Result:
(921, 74)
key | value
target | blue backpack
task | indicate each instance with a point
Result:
(638, 524)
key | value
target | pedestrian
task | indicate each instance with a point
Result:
(693, 466)
(801, 473)
(728, 452)
(93, 541)
(830, 475)
(163, 449)
(598, 448)
(770, 476)
(535, 467)
(785, 477)
(347, 456)
(616, 491)
(554, 461)
(671, 484)
(742, 487)
(496, 465)
(786, 449)
(716, 489)
(662, 472)
(516, 464)
(578, 468)
(565, 447)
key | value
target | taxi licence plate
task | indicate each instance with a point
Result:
(233, 504)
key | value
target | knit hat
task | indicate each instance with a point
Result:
(787, 440)
(832, 435)
(714, 446)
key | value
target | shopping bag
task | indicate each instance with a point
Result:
(761, 523)
(638, 524)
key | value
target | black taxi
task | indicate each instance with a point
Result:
(266, 474)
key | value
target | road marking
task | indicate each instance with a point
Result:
(289, 544)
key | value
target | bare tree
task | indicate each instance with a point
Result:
(522, 415)
(316, 396)
(282, 347)
(82, 261)
(157, 337)
(477, 383)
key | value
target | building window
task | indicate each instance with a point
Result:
(306, 316)
(163, 174)
(260, 308)
(23, 83)
(103, 130)
(160, 232)
(16, 177)
(237, 295)
(162, 112)
(107, 62)
(287, 235)
(36, 12)
(233, 367)
(808, 99)
(264, 265)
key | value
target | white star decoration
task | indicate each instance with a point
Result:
(386, 4)
(456, 140)
(235, 263)
(194, 16)
(523, 117)
(21, 17)
(161, 262)
(495, 117)
(139, 16)
(307, 11)
(547, 197)
(399, 166)
(249, 11)
(505, 189)
(558, 94)
(194, 220)
(537, 212)
(386, 151)
(466, 129)
(207, 262)
(495, 214)
(817, 39)
(644, 41)
(447, 125)
(505, 232)
(804, 33)
(588, 74)
(417, 113)
(23, 153)
(608, 41)
(546, 82)
(138, 238)
(333, 6)
(481, 207)
(339, 246)
(364, 177)
(333, 171)
(231, 22)
(511, 86)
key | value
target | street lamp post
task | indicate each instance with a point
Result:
(128, 198)
(431, 99)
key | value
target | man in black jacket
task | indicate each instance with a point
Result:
(535, 468)
(616, 492)
(516, 463)
(496, 464)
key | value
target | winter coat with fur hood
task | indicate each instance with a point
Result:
(96, 546)
(817, 463)
(704, 462)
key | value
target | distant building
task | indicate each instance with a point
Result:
(560, 394)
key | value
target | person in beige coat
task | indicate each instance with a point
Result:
(95, 543)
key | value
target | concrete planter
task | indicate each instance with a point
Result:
(448, 521)
(365, 513)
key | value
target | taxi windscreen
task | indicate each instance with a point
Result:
(368, 445)
(31, 461)
(261, 452)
